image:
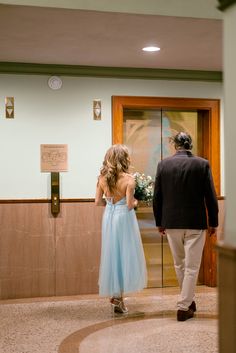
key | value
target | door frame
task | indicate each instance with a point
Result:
(210, 111)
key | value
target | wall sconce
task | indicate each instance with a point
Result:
(97, 109)
(9, 107)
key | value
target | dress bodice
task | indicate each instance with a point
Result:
(117, 205)
(109, 201)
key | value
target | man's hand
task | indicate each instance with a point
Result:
(162, 230)
(212, 231)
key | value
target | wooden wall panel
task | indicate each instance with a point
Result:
(45, 256)
(26, 251)
(78, 242)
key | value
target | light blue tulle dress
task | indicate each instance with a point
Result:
(122, 266)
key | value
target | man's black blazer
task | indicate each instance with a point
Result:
(184, 193)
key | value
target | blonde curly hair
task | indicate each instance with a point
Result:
(116, 161)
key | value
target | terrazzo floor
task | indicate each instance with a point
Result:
(84, 324)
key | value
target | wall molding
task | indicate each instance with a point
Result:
(44, 201)
(110, 72)
(61, 200)
(224, 4)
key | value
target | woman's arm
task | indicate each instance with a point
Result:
(99, 201)
(131, 201)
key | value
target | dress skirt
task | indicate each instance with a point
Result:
(122, 266)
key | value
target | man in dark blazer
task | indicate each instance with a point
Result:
(185, 205)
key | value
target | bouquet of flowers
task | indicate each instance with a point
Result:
(144, 187)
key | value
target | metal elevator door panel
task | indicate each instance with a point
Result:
(147, 134)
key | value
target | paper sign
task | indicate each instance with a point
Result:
(54, 158)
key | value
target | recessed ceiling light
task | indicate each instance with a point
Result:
(151, 49)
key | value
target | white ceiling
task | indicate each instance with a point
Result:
(47, 35)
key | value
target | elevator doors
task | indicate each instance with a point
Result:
(146, 132)
(145, 126)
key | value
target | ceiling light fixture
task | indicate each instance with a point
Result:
(151, 49)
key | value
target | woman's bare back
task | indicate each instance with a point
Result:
(124, 182)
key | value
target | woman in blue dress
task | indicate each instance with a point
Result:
(122, 266)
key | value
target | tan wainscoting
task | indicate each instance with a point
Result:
(41, 255)
(78, 243)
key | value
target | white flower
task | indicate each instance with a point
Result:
(144, 187)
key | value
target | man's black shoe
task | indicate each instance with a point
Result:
(193, 306)
(183, 315)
